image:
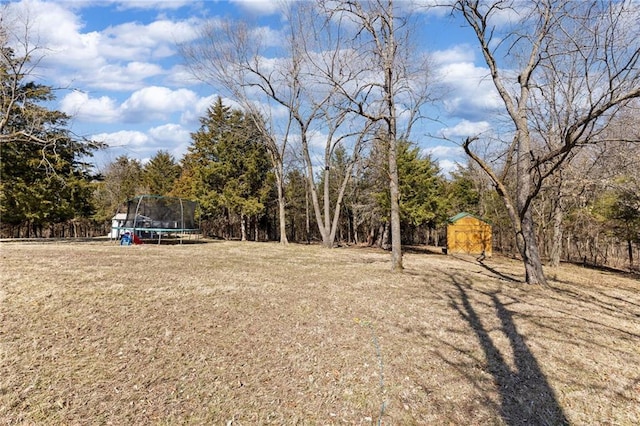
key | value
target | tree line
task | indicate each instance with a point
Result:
(559, 182)
(228, 171)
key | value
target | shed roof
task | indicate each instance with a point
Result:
(461, 215)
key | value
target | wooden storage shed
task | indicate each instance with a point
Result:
(468, 234)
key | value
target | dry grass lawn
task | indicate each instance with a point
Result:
(237, 333)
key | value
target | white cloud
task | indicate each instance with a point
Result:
(447, 156)
(448, 166)
(148, 104)
(56, 32)
(119, 57)
(460, 53)
(179, 75)
(123, 138)
(437, 7)
(151, 4)
(508, 16)
(466, 128)
(133, 40)
(258, 7)
(170, 133)
(80, 106)
(199, 109)
(171, 137)
(267, 36)
(471, 92)
(156, 103)
(118, 77)
(144, 144)
(441, 151)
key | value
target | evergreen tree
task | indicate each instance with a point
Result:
(463, 194)
(370, 201)
(421, 187)
(160, 173)
(618, 209)
(422, 194)
(43, 179)
(226, 170)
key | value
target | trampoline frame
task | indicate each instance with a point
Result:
(137, 230)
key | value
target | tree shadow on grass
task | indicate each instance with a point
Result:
(498, 274)
(525, 394)
(480, 261)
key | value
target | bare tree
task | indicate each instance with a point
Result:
(386, 81)
(606, 185)
(19, 58)
(572, 66)
(230, 55)
(323, 105)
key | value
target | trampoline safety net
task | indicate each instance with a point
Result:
(160, 214)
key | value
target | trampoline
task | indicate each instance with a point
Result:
(155, 216)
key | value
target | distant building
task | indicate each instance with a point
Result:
(151, 216)
(116, 223)
(468, 234)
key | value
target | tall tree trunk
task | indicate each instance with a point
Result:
(338, 207)
(384, 236)
(526, 239)
(255, 229)
(394, 187)
(526, 243)
(356, 234)
(282, 212)
(528, 247)
(323, 217)
(556, 239)
(327, 237)
(307, 223)
(519, 212)
(394, 190)
(243, 227)
(371, 236)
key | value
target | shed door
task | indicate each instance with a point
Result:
(463, 241)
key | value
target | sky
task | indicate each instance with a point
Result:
(118, 73)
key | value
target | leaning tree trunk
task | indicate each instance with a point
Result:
(526, 242)
(528, 247)
(520, 216)
(527, 238)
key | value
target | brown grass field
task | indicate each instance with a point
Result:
(231, 333)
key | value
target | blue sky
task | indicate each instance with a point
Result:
(119, 75)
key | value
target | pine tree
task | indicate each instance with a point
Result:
(421, 187)
(226, 170)
(43, 179)
(160, 173)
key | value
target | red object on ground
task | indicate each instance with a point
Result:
(137, 240)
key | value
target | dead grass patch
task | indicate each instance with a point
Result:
(257, 333)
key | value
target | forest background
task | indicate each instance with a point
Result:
(254, 180)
